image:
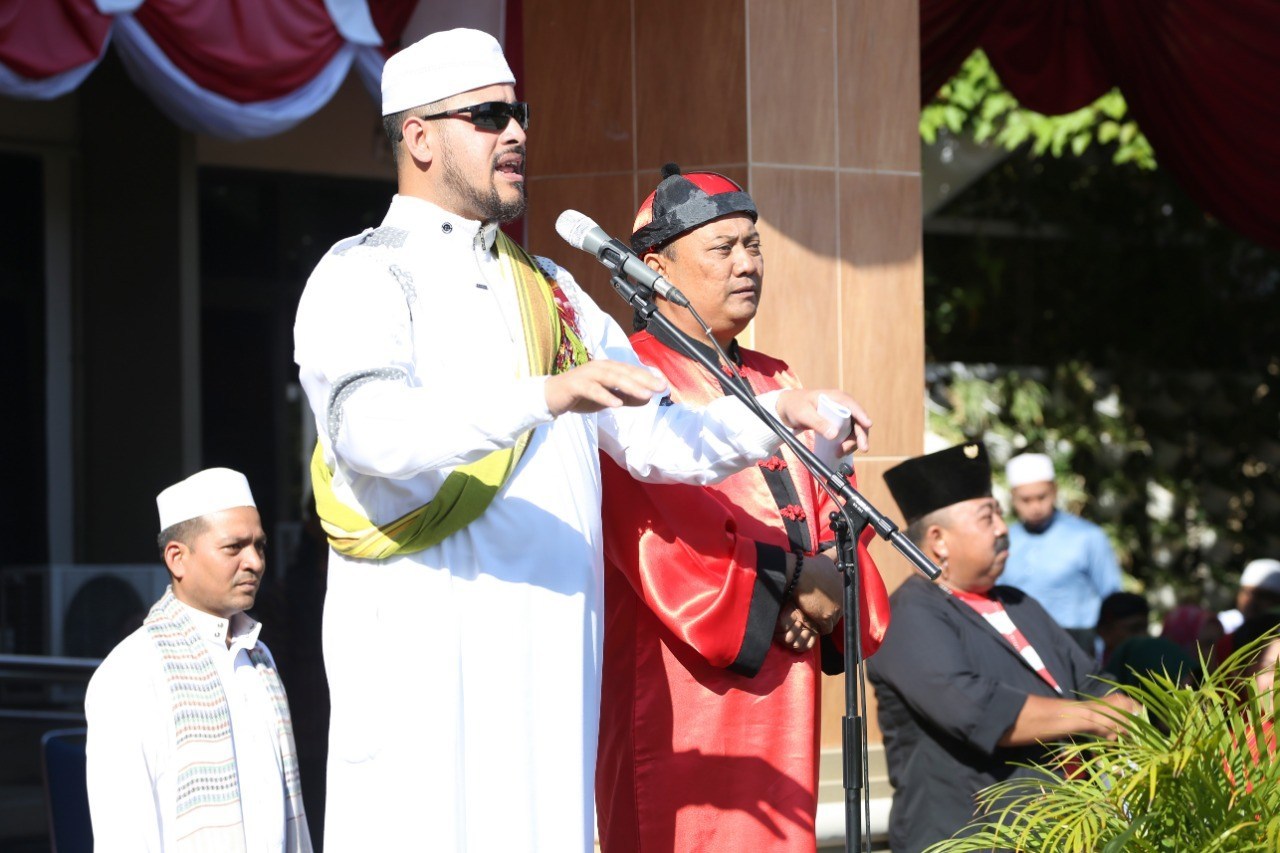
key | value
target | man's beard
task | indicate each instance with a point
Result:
(1040, 526)
(487, 205)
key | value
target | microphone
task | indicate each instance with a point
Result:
(579, 231)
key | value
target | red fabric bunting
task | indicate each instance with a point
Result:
(390, 17)
(950, 30)
(1047, 56)
(245, 50)
(39, 39)
(1199, 76)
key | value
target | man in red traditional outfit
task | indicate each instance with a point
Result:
(720, 601)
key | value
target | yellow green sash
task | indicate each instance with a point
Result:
(552, 346)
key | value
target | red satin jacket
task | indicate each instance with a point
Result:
(709, 729)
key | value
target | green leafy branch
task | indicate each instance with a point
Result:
(975, 101)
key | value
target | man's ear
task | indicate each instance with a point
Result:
(935, 542)
(419, 140)
(176, 555)
(657, 262)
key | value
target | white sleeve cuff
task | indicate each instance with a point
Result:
(749, 432)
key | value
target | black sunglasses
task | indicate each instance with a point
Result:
(491, 115)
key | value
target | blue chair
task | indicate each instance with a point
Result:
(66, 791)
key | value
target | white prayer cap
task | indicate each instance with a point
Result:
(1029, 468)
(1263, 574)
(440, 65)
(202, 493)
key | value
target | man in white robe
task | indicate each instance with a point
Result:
(464, 676)
(190, 744)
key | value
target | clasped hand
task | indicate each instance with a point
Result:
(818, 605)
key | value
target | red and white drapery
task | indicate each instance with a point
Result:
(236, 69)
(1199, 75)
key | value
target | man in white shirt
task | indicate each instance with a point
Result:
(462, 392)
(190, 743)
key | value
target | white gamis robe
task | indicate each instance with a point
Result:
(464, 678)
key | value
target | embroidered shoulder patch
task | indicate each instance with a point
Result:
(406, 284)
(385, 237)
(348, 385)
(549, 267)
(565, 284)
(350, 243)
(391, 238)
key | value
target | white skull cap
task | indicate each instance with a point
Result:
(1029, 468)
(203, 493)
(440, 65)
(1262, 574)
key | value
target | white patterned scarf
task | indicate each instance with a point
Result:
(209, 816)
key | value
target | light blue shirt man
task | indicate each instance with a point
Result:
(1064, 562)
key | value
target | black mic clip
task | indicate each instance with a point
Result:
(640, 298)
(614, 256)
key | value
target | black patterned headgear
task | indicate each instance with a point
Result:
(684, 202)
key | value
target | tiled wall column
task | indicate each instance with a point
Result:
(814, 104)
(833, 96)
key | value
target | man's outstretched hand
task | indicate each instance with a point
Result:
(599, 385)
(604, 384)
(799, 411)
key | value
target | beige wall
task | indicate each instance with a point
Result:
(813, 104)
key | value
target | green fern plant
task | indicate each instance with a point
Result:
(1163, 787)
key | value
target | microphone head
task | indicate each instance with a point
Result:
(574, 227)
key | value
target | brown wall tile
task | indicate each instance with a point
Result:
(792, 73)
(648, 178)
(577, 79)
(879, 84)
(691, 82)
(798, 321)
(609, 200)
(882, 306)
